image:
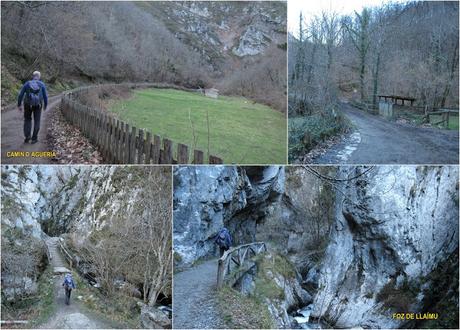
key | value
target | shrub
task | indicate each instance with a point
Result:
(242, 312)
(308, 131)
(399, 298)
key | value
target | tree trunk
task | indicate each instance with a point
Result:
(376, 80)
(453, 69)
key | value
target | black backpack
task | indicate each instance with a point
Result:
(34, 93)
(222, 239)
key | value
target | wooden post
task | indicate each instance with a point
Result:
(103, 136)
(117, 141)
(140, 147)
(125, 144)
(220, 273)
(132, 145)
(147, 146)
(109, 139)
(167, 152)
(214, 160)
(197, 157)
(155, 150)
(182, 154)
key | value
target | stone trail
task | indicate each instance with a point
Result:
(67, 316)
(194, 299)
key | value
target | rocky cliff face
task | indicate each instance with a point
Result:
(23, 253)
(219, 30)
(361, 249)
(57, 200)
(54, 200)
(393, 228)
(209, 198)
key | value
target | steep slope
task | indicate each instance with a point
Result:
(209, 198)
(193, 44)
(99, 213)
(393, 228)
(353, 244)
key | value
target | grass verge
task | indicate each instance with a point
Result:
(419, 119)
(120, 310)
(240, 131)
(242, 312)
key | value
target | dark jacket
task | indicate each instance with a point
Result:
(224, 239)
(25, 89)
(71, 282)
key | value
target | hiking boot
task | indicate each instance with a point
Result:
(26, 140)
(34, 141)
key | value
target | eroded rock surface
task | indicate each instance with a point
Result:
(393, 227)
(209, 198)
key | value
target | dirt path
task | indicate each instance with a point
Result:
(194, 302)
(13, 137)
(379, 141)
(68, 316)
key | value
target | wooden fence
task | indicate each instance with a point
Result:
(119, 143)
(47, 249)
(66, 254)
(236, 257)
(444, 113)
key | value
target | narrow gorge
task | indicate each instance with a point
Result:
(369, 247)
(110, 226)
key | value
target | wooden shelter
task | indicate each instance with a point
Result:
(395, 98)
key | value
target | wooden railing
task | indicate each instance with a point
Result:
(122, 144)
(48, 253)
(234, 261)
(444, 113)
(66, 254)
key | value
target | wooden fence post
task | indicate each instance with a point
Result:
(132, 146)
(220, 273)
(182, 154)
(214, 160)
(198, 157)
(140, 148)
(167, 152)
(155, 150)
(147, 145)
(126, 144)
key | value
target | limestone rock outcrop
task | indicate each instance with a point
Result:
(393, 226)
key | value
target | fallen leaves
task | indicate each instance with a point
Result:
(69, 143)
(319, 149)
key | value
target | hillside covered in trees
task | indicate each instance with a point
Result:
(239, 48)
(405, 49)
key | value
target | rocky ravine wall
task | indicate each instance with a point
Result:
(394, 227)
(209, 198)
(54, 200)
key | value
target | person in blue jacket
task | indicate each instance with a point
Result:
(68, 285)
(35, 99)
(223, 240)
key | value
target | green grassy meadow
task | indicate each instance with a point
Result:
(240, 130)
(418, 118)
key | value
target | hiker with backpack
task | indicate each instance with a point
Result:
(68, 285)
(35, 98)
(223, 240)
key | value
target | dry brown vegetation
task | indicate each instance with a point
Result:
(136, 247)
(89, 42)
(408, 49)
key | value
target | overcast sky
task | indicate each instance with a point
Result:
(311, 8)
